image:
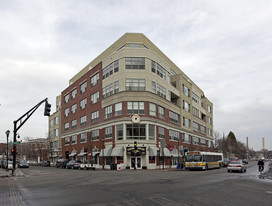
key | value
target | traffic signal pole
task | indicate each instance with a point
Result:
(21, 122)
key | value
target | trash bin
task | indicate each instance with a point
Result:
(178, 166)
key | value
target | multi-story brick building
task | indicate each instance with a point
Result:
(133, 92)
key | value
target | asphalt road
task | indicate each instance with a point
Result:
(52, 186)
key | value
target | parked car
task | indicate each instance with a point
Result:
(87, 165)
(10, 165)
(226, 162)
(236, 166)
(62, 163)
(23, 164)
(73, 164)
(245, 161)
(45, 163)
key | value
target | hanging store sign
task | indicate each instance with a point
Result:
(136, 152)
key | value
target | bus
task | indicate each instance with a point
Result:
(203, 160)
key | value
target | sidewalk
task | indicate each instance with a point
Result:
(4, 173)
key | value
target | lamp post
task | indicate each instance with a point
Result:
(7, 133)
(103, 147)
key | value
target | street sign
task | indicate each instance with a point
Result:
(14, 143)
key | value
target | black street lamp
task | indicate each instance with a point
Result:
(103, 147)
(7, 133)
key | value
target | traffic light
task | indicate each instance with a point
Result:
(135, 145)
(12, 151)
(47, 109)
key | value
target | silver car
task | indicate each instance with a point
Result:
(237, 165)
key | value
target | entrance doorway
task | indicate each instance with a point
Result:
(136, 161)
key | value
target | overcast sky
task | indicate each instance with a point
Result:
(225, 47)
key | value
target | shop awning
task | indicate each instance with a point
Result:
(153, 151)
(174, 153)
(117, 151)
(166, 152)
(94, 153)
(82, 154)
(106, 152)
(73, 153)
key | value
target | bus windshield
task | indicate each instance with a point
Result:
(193, 158)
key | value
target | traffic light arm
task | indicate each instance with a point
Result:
(27, 115)
(22, 120)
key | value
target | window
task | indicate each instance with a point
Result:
(108, 132)
(195, 140)
(116, 66)
(151, 132)
(74, 93)
(153, 67)
(161, 112)
(83, 103)
(73, 123)
(135, 63)
(107, 71)
(118, 109)
(66, 98)
(210, 132)
(186, 138)
(95, 134)
(136, 131)
(203, 142)
(186, 90)
(56, 120)
(154, 87)
(108, 90)
(95, 116)
(161, 91)
(51, 123)
(195, 126)
(173, 135)
(202, 129)
(135, 84)
(195, 112)
(116, 87)
(51, 134)
(210, 120)
(74, 108)
(66, 112)
(152, 109)
(173, 117)
(195, 98)
(209, 109)
(74, 139)
(186, 106)
(83, 137)
(83, 120)
(161, 133)
(67, 140)
(108, 112)
(135, 107)
(95, 97)
(94, 79)
(186, 122)
(119, 132)
(66, 126)
(83, 87)
(56, 132)
(160, 70)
